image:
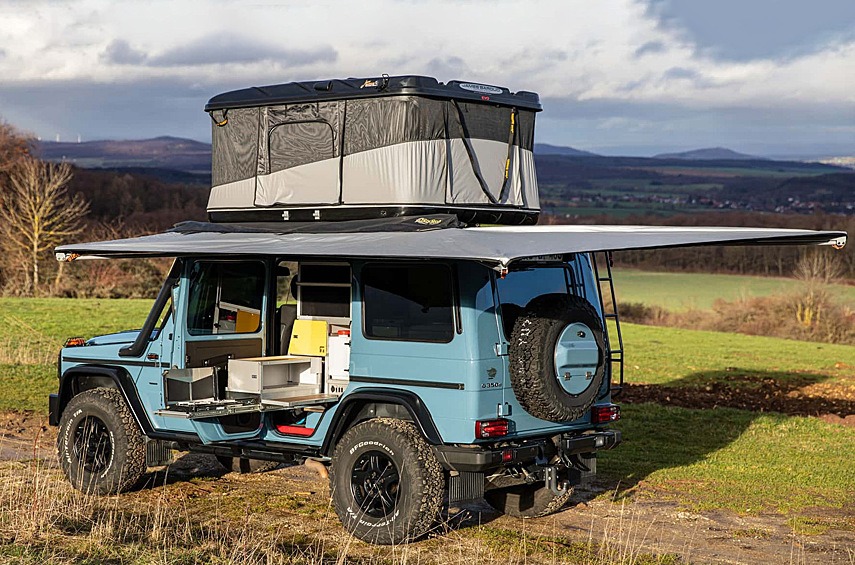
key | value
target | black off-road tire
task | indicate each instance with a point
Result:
(532, 361)
(101, 447)
(526, 500)
(416, 493)
(245, 466)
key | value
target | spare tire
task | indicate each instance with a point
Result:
(557, 357)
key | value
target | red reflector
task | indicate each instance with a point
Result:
(294, 430)
(605, 413)
(507, 455)
(491, 428)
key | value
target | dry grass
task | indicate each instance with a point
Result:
(44, 520)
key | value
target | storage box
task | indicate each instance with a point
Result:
(309, 337)
(187, 385)
(266, 375)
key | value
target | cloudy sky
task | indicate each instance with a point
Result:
(771, 77)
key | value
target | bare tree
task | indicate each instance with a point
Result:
(36, 214)
(14, 147)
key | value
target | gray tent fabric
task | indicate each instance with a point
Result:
(427, 144)
(494, 246)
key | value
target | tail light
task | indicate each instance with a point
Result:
(605, 413)
(485, 429)
(75, 342)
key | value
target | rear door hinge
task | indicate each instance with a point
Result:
(501, 349)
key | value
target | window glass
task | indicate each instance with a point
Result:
(324, 290)
(225, 298)
(408, 302)
(519, 287)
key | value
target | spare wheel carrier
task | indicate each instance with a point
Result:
(557, 357)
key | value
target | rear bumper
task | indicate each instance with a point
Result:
(477, 458)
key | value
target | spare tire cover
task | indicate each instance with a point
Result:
(557, 357)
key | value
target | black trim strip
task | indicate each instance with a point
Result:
(406, 382)
(123, 362)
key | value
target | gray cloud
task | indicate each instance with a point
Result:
(740, 30)
(448, 67)
(120, 52)
(618, 126)
(224, 49)
(649, 48)
(682, 73)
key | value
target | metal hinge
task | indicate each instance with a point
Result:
(501, 349)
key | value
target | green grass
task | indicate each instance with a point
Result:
(32, 330)
(60, 318)
(721, 458)
(674, 357)
(733, 459)
(683, 291)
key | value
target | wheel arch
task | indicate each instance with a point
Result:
(85, 377)
(364, 404)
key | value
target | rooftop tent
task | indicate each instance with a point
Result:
(362, 148)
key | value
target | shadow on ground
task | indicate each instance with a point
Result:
(659, 432)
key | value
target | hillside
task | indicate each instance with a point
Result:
(709, 153)
(161, 152)
(547, 149)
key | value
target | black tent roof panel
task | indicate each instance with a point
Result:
(338, 89)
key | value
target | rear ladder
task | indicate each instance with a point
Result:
(612, 318)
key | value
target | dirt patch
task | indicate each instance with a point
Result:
(293, 504)
(832, 403)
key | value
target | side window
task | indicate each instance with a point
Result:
(408, 302)
(225, 298)
(323, 291)
(521, 286)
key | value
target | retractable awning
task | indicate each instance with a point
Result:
(495, 246)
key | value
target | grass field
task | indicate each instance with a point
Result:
(684, 291)
(703, 459)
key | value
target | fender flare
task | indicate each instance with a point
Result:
(353, 402)
(123, 381)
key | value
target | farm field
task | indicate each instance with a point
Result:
(684, 291)
(735, 451)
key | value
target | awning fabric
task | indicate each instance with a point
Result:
(495, 246)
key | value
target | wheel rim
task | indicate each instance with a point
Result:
(93, 445)
(374, 484)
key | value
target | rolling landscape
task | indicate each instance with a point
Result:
(702, 396)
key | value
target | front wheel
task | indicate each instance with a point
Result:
(101, 448)
(387, 485)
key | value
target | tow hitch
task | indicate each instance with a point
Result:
(550, 473)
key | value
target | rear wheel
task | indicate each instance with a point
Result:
(101, 448)
(387, 485)
(526, 500)
(243, 465)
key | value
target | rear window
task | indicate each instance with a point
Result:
(408, 302)
(519, 287)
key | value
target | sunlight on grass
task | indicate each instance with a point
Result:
(733, 459)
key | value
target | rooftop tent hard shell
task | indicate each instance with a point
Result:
(383, 146)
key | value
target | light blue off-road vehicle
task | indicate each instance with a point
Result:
(343, 307)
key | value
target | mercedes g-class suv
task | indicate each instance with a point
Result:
(413, 380)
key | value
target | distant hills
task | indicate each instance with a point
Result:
(547, 149)
(163, 152)
(709, 154)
